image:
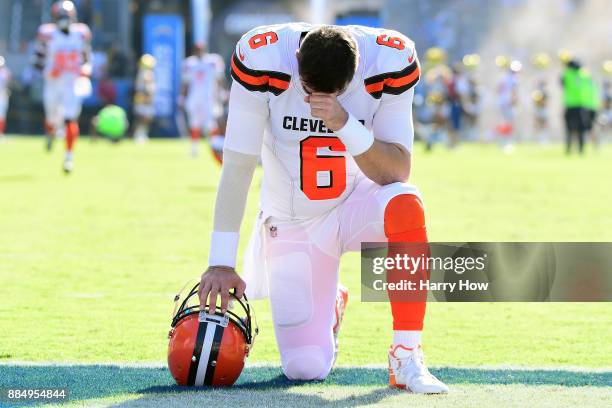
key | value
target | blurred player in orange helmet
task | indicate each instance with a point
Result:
(63, 52)
(144, 94)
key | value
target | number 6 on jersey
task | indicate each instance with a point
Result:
(311, 164)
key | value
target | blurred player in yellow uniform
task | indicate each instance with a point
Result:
(606, 110)
(540, 99)
(144, 93)
(472, 100)
(507, 100)
(437, 77)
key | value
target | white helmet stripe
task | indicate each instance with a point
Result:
(205, 355)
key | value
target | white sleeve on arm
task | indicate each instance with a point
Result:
(393, 119)
(247, 120)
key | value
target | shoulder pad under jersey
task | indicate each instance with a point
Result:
(189, 62)
(45, 31)
(82, 29)
(392, 66)
(216, 59)
(259, 62)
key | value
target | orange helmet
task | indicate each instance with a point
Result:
(207, 349)
(64, 13)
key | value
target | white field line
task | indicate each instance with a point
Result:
(157, 364)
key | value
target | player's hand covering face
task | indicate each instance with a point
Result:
(326, 107)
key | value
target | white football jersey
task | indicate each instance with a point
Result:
(201, 74)
(307, 170)
(64, 53)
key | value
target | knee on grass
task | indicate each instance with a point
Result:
(307, 363)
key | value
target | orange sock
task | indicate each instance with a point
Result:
(214, 132)
(2, 126)
(72, 134)
(195, 134)
(49, 128)
(405, 223)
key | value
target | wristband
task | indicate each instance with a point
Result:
(223, 248)
(356, 137)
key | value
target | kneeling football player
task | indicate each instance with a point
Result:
(328, 109)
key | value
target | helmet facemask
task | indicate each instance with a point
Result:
(242, 316)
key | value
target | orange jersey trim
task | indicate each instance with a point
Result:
(393, 82)
(261, 81)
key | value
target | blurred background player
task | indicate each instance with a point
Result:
(590, 106)
(202, 86)
(540, 98)
(471, 103)
(572, 101)
(63, 52)
(436, 110)
(507, 98)
(144, 92)
(457, 94)
(5, 79)
(605, 117)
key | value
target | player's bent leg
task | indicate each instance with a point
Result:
(303, 282)
(306, 363)
(405, 224)
(394, 213)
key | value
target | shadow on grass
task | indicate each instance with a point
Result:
(85, 382)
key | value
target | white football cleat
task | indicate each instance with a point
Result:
(68, 165)
(407, 371)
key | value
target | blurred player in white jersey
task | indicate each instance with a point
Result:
(202, 77)
(5, 79)
(507, 100)
(144, 98)
(64, 54)
(328, 108)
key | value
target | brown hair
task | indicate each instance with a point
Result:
(327, 59)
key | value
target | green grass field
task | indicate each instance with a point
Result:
(89, 264)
